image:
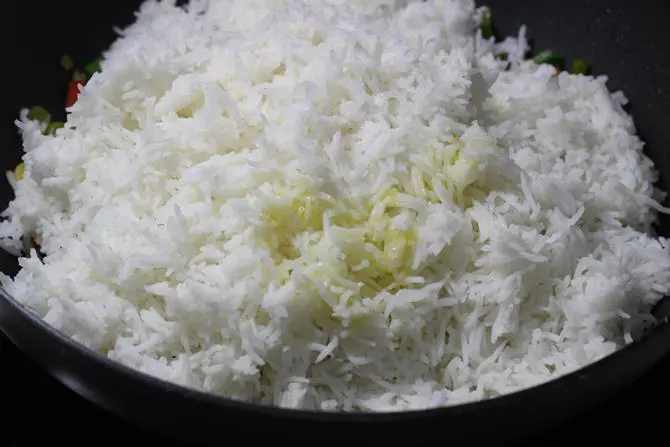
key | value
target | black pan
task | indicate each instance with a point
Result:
(622, 38)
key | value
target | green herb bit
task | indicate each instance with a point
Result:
(486, 26)
(53, 126)
(580, 67)
(92, 67)
(39, 113)
(502, 56)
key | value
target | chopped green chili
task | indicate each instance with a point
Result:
(580, 67)
(66, 62)
(486, 25)
(549, 57)
(39, 113)
(92, 67)
(53, 126)
(502, 56)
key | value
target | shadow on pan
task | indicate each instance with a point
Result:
(623, 39)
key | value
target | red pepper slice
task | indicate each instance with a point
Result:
(73, 91)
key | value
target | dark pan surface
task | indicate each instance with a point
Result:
(49, 398)
(622, 38)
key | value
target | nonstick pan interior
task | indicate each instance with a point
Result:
(623, 39)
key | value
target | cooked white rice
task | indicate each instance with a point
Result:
(330, 204)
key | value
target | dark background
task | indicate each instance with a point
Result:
(617, 41)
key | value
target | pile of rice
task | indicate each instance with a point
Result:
(339, 205)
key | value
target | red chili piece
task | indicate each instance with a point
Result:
(73, 90)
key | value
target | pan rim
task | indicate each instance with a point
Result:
(224, 402)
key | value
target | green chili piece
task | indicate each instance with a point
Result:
(92, 67)
(486, 25)
(549, 57)
(39, 113)
(580, 67)
(53, 126)
(19, 170)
